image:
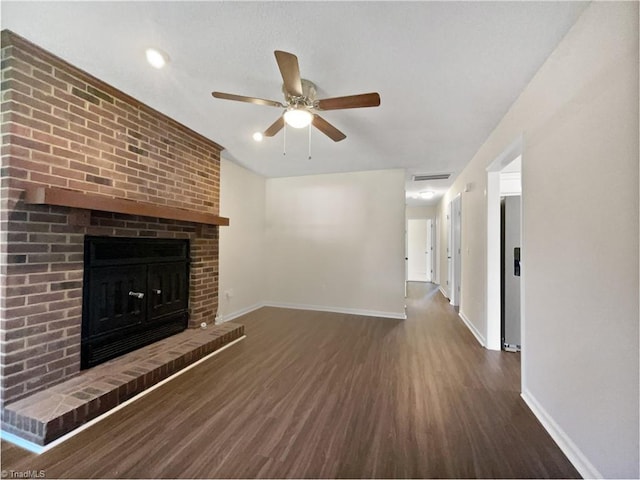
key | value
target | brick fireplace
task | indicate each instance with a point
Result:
(64, 130)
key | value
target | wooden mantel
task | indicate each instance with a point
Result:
(88, 201)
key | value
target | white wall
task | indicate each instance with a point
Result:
(242, 254)
(579, 121)
(430, 211)
(336, 242)
(329, 242)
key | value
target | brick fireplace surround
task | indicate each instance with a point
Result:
(66, 129)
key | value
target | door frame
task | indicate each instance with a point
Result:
(455, 250)
(449, 251)
(493, 297)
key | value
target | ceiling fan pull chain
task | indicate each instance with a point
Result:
(309, 141)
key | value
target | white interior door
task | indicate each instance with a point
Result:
(417, 234)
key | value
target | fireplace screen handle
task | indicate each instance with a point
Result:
(139, 295)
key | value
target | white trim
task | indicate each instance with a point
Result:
(442, 291)
(232, 316)
(571, 451)
(510, 184)
(472, 327)
(350, 311)
(493, 274)
(508, 155)
(38, 449)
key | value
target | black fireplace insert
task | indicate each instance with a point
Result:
(136, 291)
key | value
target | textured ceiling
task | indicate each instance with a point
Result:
(446, 71)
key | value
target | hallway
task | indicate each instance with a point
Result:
(325, 395)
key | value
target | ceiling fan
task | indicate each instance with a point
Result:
(300, 105)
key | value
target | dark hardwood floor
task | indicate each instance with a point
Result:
(325, 395)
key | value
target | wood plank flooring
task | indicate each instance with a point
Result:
(325, 395)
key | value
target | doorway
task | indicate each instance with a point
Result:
(503, 179)
(455, 250)
(420, 250)
(449, 251)
(510, 244)
(417, 267)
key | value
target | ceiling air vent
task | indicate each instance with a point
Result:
(434, 176)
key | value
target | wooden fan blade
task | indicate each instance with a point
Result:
(329, 130)
(351, 101)
(290, 71)
(240, 98)
(274, 128)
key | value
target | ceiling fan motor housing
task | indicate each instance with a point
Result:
(308, 98)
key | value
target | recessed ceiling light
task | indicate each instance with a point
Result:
(156, 58)
(258, 136)
(427, 195)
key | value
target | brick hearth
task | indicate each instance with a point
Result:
(63, 128)
(47, 415)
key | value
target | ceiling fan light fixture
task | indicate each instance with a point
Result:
(297, 117)
(258, 136)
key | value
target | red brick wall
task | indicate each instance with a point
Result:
(63, 128)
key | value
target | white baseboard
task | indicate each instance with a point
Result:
(474, 330)
(350, 311)
(572, 452)
(444, 294)
(232, 316)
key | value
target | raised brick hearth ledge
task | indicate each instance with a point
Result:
(49, 414)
